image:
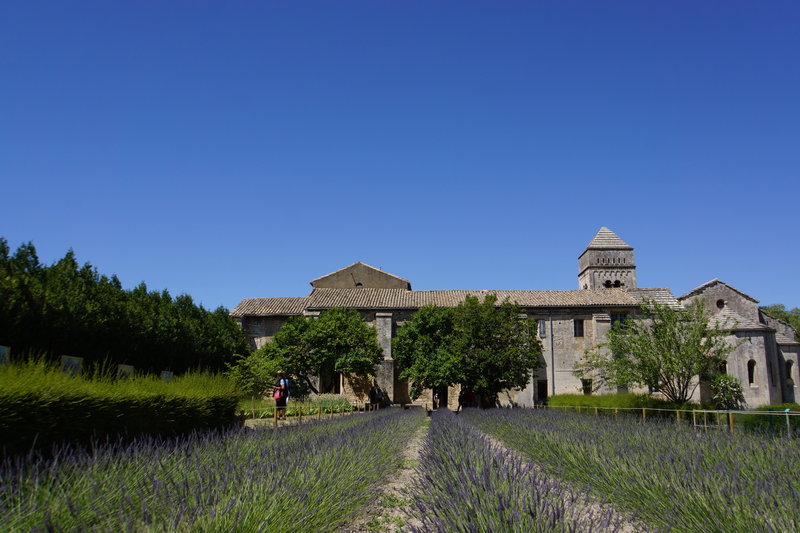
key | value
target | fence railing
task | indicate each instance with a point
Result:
(703, 418)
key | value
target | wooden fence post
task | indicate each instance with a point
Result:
(275, 416)
(730, 417)
(595, 411)
(644, 414)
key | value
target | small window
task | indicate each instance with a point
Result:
(577, 327)
(751, 372)
(789, 379)
(359, 285)
(720, 303)
(723, 367)
(542, 326)
(586, 386)
(607, 284)
(618, 317)
(617, 283)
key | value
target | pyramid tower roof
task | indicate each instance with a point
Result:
(607, 239)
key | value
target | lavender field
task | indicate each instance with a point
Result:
(304, 479)
(469, 484)
(674, 478)
(478, 471)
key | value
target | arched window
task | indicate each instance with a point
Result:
(720, 303)
(789, 368)
(607, 284)
(723, 367)
(617, 283)
(751, 372)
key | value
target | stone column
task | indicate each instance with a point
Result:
(384, 372)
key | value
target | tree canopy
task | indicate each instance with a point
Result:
(483, 346)
(337, 341)
(66, 308)
(664, 348)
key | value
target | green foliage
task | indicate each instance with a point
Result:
(484, 346)
(790, 316)
(772, 424)
(620, 400)
(727, 392)
(337, 341)
(422, 350)
(665, 349)
(42, 405)
(70, 309)
(341, 341)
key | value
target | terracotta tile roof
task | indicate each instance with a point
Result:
(660, 295)
(403, 299)
(271, 306)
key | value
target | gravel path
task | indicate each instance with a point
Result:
(387, 513)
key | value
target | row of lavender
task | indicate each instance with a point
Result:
(309, 478)
(673, 478)
(468, 484)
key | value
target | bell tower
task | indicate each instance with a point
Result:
(606, 263)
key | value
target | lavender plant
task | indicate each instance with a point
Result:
(467, 484)
(672, 477)
(308, 478)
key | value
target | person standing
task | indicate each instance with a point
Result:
(280, 391)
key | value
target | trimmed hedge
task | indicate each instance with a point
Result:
(620, 400)
(40, 407)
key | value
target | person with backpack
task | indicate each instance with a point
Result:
(280, 391)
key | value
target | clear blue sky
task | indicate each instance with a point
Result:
(240, 149)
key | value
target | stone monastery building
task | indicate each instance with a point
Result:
(569, 322)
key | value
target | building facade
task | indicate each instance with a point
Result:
(569, 322)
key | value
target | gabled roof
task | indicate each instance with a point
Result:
(359, 263)
(607, 239)
(271, 306)
(715, 281)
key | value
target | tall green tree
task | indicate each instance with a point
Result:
(484, 346)
(664, 348)
(68, 308)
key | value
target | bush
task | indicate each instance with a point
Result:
(727, 391)
(40, 406)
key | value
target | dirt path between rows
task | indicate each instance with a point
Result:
(387, 512)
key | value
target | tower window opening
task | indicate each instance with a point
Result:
(607, 284)
(617, 283)
(720, 303)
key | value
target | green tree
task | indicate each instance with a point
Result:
(422, 350)
(664, 348)
(484, 346)
(337, 341)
